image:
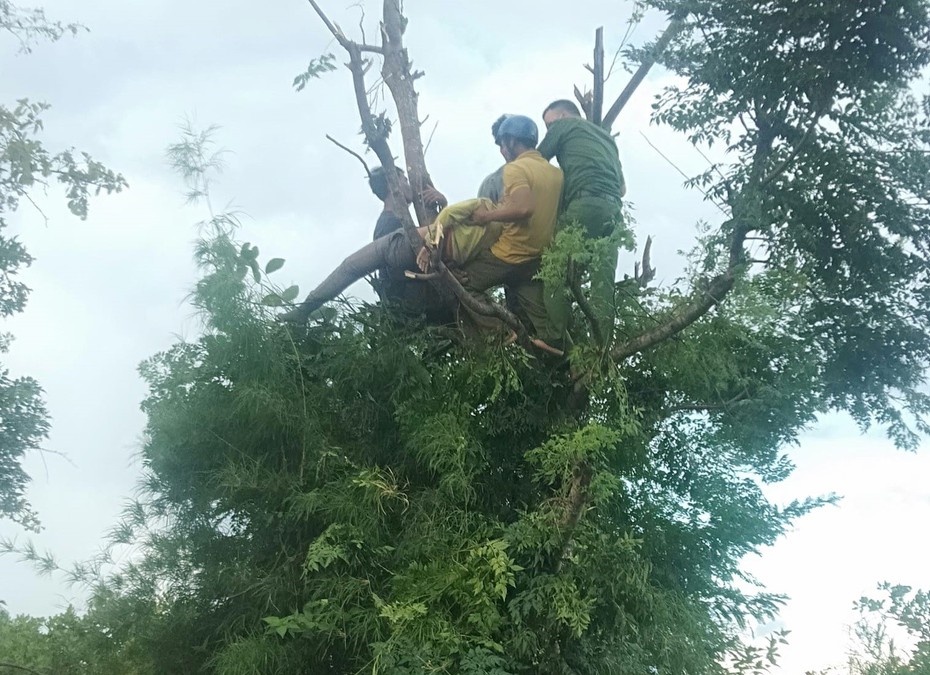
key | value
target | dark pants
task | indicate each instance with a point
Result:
(486, 271)
(391, 254)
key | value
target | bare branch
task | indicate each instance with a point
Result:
(710, 296)
(645, 273)
(683, 318)
(597, 98)
(686, 176)
(584, 100)
(422, 276)
(351, 152)
(478, 306)
(13, 666)
(397, 74)
(337, 33)
(430, 139)
(676, 25)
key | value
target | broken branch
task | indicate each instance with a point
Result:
(400, 80)
(597, 98)
(351, 152)
(645, 272)
(676, 25)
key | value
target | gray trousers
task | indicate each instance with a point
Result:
(391, 253)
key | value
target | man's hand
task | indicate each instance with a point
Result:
(434, 197)
(481, 215)
(424, 259)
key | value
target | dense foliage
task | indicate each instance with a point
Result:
(363, 495)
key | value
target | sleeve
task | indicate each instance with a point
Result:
(515, 177)
(549, 147)
(492, 187)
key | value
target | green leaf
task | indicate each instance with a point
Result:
(290, 294)
(274, 265)
(256, 270)
(272, 300)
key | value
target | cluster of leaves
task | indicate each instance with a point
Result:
(899, 614)
(828, 171)
(25, 164)
(325, 64)
(66, 644)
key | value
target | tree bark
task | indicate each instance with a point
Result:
(400, 80)
(597, 100)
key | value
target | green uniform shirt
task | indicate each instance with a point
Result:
(587, 155)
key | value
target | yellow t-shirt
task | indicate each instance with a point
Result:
(527, 239)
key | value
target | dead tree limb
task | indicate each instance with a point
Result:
(676, 25)
(351, 152)
(584, 100)
(375, 133)
(398, 76)
(597, 94)
(478, 306)
(702, 303)
(644, 272)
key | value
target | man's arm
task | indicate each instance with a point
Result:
(549, 147)
(519, 202)
(519, 205)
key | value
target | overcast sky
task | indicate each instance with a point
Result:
(109, 292)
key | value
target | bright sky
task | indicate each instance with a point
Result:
(109, 292)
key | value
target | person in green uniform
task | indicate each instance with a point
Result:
(592, 198)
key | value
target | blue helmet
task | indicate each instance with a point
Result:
(520, 127)
(496, 127)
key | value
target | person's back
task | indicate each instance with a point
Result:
(588, 157)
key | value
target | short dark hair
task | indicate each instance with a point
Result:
(495, 128)
(564, 105)
(377, 181)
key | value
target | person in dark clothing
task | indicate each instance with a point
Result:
(390, 254)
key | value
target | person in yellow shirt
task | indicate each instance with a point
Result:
(528, 210)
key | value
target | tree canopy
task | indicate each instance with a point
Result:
(361, 496)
